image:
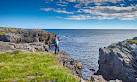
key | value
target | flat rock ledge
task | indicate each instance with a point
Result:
(118, 61)
(29, 47)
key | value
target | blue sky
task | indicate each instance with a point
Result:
(69, 14)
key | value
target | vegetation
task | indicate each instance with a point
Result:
(1, 33)
(2, 27)
(132, 41)
(9, 29)
(34, 67)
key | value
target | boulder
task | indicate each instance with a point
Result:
(79, 65)
(97, 78)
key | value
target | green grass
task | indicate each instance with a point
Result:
(9, 29)
(20, 66)
(1, 33)
(2, 27)
(132, 41)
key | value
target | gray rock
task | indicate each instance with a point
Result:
(32, 47)
(18, 35)
(115, 80)
(118, 61)
(97, 78)
(135, 38)
(69, 62)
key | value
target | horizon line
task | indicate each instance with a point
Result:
(78, 28)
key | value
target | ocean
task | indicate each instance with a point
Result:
(83, 44)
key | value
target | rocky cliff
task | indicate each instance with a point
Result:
(119, 61)
(70, 63)
(30, 47)
(35, 40)
(19, 35)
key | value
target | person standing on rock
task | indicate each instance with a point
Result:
(56, 44)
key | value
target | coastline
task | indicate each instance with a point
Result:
(117, 62)
(10, 42)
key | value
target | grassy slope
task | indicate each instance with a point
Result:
(22, 66)
(132, 41)
(1, 33)
(7, 28)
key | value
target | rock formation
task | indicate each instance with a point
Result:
(99, 78)
(32, 47)
(70, 63)
(35, 40)
(79, 65)
(19, 35)
(119, 61)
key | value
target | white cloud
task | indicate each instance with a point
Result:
(97, 2)
(56, 10)
(112, 11)
(86, 11)
(46, 9)
(85, 17)
(62, 5)
(58, 17)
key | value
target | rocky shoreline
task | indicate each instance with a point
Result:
(66, 61)
(117, 62)
(19, 35)
(35, 40)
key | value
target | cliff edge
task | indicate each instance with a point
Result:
(24, 41)
(119, 61)
(20, 35)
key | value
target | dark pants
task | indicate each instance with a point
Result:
(56, 47)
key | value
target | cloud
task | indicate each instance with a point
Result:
(58, 17)
(56, 10)
(85, 17)
(96, 2)
(62, 5)
(47, 9)
(94, 9)
(112, 11)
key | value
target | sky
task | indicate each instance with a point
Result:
(69, 14)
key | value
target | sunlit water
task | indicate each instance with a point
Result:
(83, 45)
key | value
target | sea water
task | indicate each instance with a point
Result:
(83, 44)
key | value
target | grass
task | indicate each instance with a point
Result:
(1, 33)
(9, 29)
(2, 27)
(20, 66)
(132, 41)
